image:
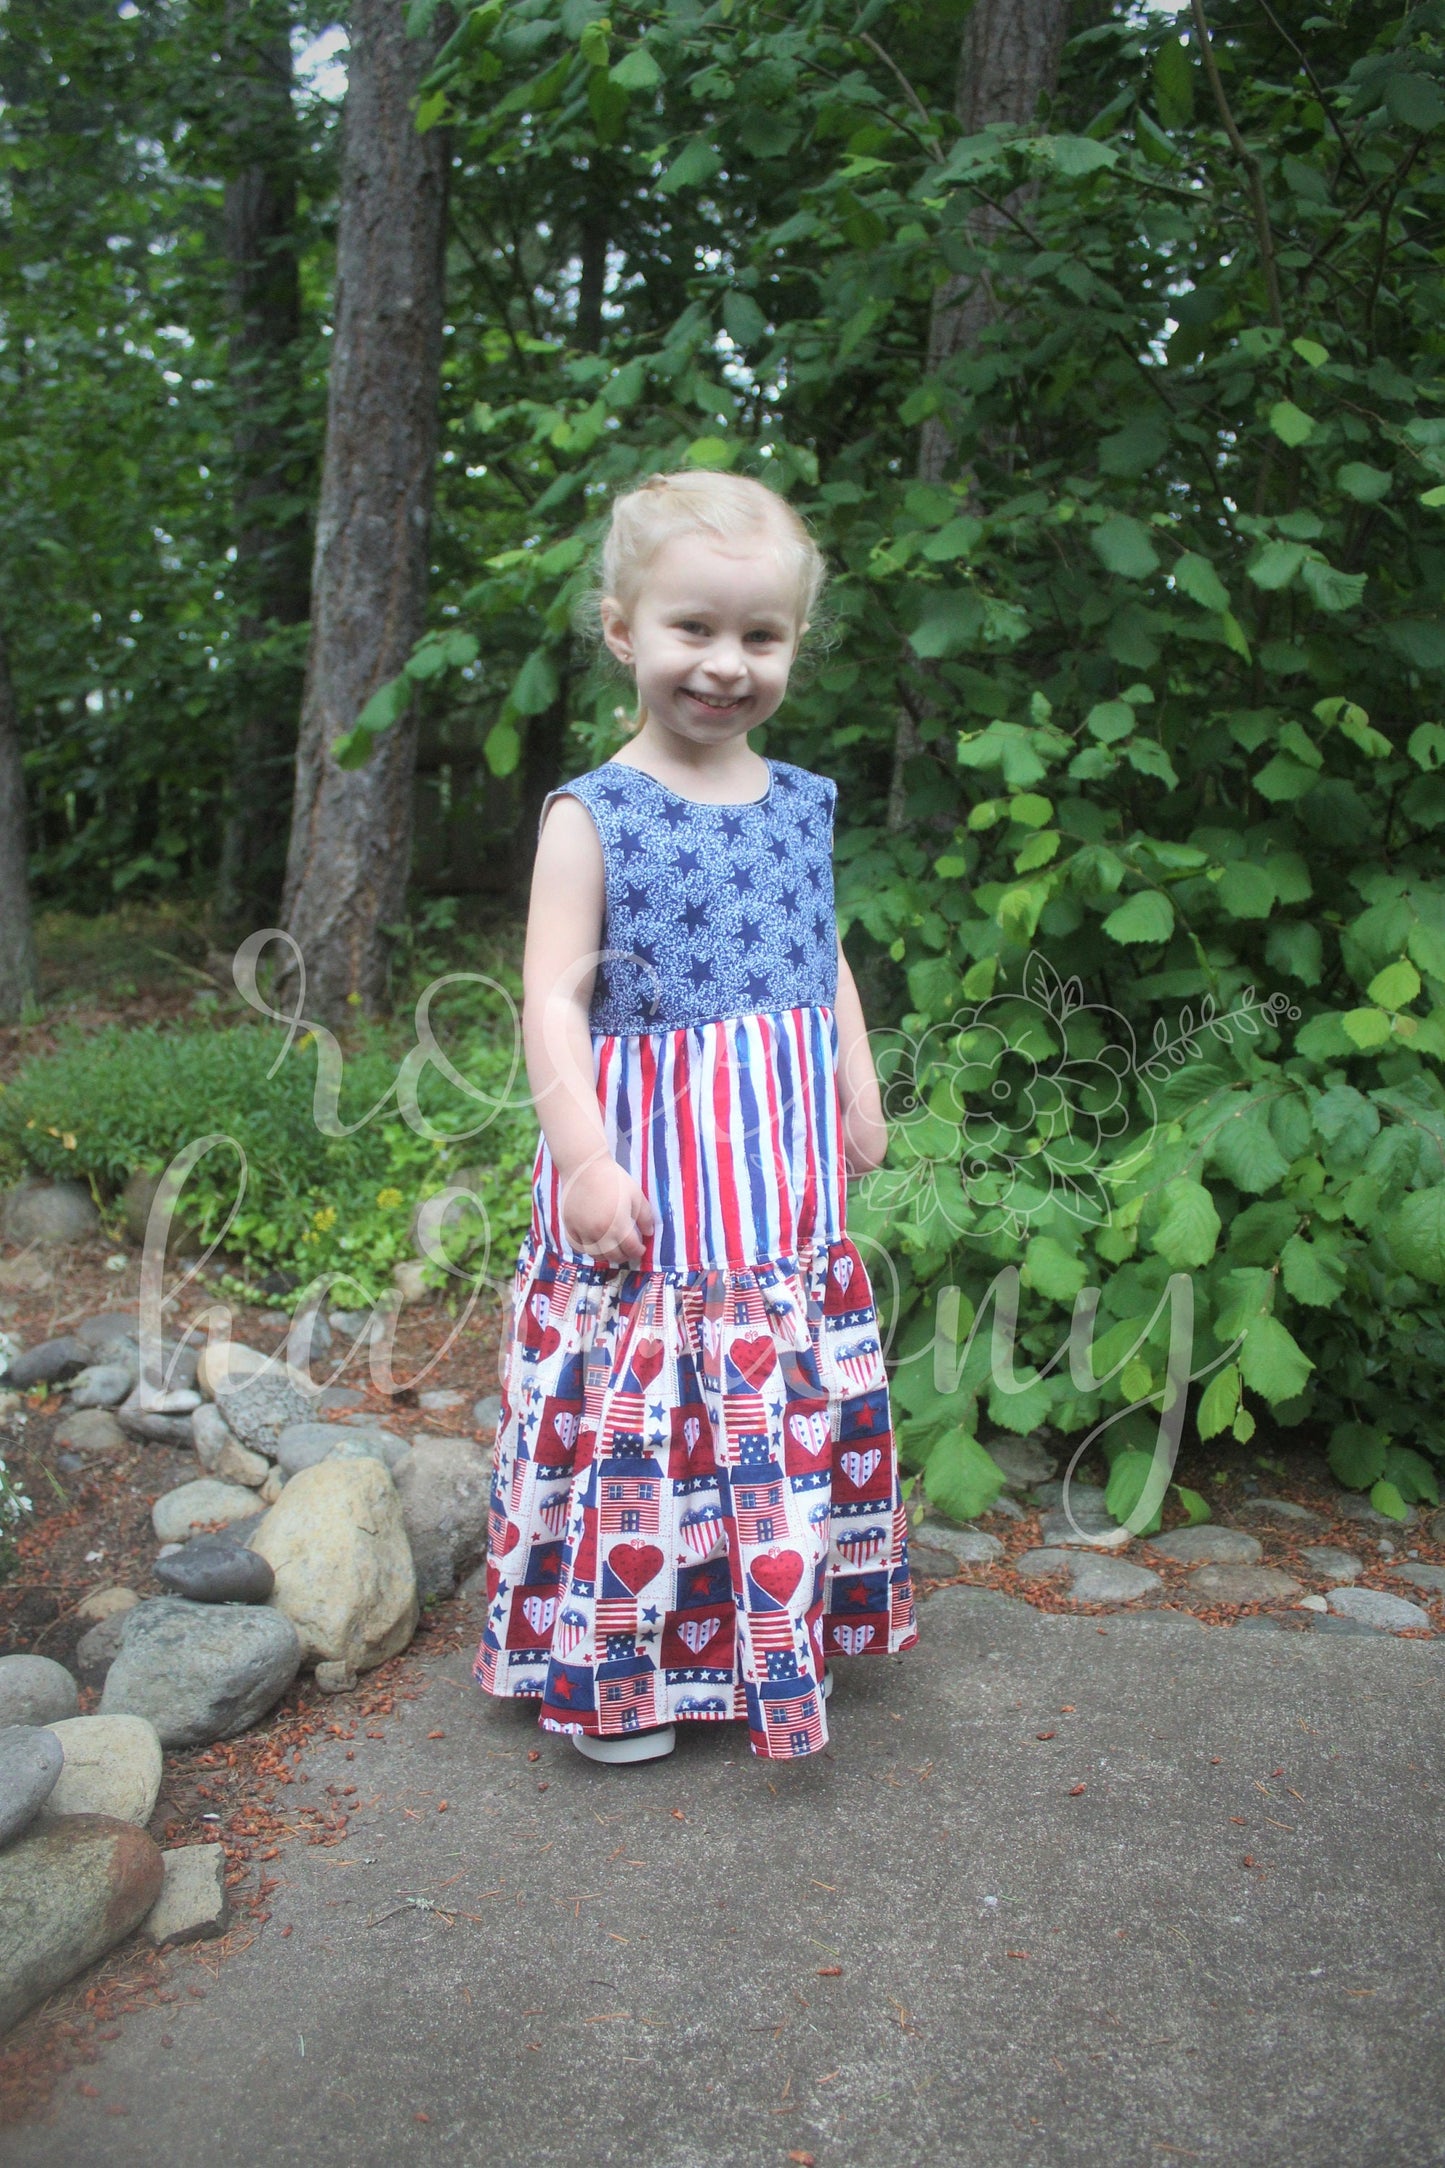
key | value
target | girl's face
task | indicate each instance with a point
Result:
(711, 638)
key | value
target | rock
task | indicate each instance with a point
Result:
(1087, 1529)
(1332, 1564)
(31, 1759)
(308, 1339)
(33, 1690)
(969, 1546)
(442, 1401)
(97, 1649)
(236, 1463)
(194, 1904)
(271, 1489)
(210, 1435)
(350, 1322)
(1243, 1584)
(69, 1891)
(1351, 1507)
(136, 1202)
(1375, 1607)
(1207, 1547)
(344, 1572)
(1437, 1526)
(1312, 1603)
(49, 1212)
(1110, 1580)
(1023, 1461)
(1385, 1548)
(260, 1407)
(138, 1420)
(10, 1404)
(339, 1400)
(190, 1510)
(103, 1385)
(1044, 1565)
(1431, 1578)
(335, 1678)
(486, 1415)
(409, 1280)
(302, 1445)
(445, 1489)
(201, 1671)
(104, 1603)
(1083, 1497)
(215, 1569)
(112, 1328)
(1004, 1508)
(1279, 1513)
(1337, 1626)
(90, 1430)
(112, 1766)
(928, 1564)
(1265, 1621)
(51, 1363)
(227, 1362)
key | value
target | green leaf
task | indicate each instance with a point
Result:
(1145, 917)
(1196, 577)
(1396, 986)
(1074, 156)
(1386, 1499)
(711, 452)
(1356, 1455)
(695, 163)
(1137, 448)
(1294, 947)
(636, 70)
(1188, 1229)
(1272, 1363)
(1050, 1269)
(1174, 84)
(1244, 1149)
(960, 1479)
(1196, 1508)
(1368, 1029)
(1289, 423)
(743, 318)
(1135, 1491)
(503, 748)
(1417, 1234)
(1219, 1402)
(1329, 589)
(1415, 102)
(1367, 485)
(1412, 1476)
(1276, 564)
(1245, 891)
(952, 618)
(1122, 546)
(1110, 720)
(535, 687)
(1313, 1272)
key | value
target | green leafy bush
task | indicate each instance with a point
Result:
(118, 1100)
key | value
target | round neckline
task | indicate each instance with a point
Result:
(714, 805)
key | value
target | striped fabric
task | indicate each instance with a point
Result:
(732, 1130)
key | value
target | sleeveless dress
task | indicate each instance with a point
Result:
(695, 1493)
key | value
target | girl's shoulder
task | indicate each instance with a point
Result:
(788, 777)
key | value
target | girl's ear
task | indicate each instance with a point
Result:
(614, 630)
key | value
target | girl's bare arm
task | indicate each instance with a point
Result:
(604, 1210)
(865, 1133)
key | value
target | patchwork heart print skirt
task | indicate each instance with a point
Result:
(695, 1495)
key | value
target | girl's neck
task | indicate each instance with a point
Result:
(726, 772)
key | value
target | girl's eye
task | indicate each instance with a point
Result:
(764, 639)
(693, 625)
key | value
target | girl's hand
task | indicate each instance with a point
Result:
(605, 1213)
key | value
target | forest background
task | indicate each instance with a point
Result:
(1101, 345)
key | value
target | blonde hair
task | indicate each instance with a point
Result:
(727, 506)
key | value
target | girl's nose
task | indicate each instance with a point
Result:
(727, 659)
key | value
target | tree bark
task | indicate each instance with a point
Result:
(1009, 59)
(272, 573)
(19, 973)
(350, 847)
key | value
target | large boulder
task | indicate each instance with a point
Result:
(50, 1212)
(201, 1671)
(302, 1445)
(337, 1543)
(444, 1487)
(33, 1690)
(69, 1891)
(194, 1507)
(112, 1766)
(31, 1759)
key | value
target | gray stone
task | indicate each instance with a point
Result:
(344, 1572)
(365, 1441)
(111, 1328)
(210, 1435)
(1350, 1506)
(444, 1485)
(1110, 1580)
(136, 1202)
(1023, 1461)
(194, 1905)
(1437, 1526)
(1044, 1565)
(970, 1546)
(201, 1671)
(1083, 1497)
(215, 1569)
(308, 1339)
(50, 1212)
(1331, 1563)
(302, 1445)
(50, 1363)
(33, 1690)
(191, 1509)
(97, 1649)
(1207, 1547)
(102, 1385)
(90, 1430)
(1261, 1622)
(928, 1564)
(260, 1407)
(173, 1367)
(69, 1891)
(1057, 1527)
(1375, 1607)
(236, 1463)
(339, 1400)
(1004, 1508)
(487, 1414)
(31, 1759)
(1242, 1584)
(139, 1420)
(104, 1603)
(442, 1401)
(112, 1766)
(1279, 1513)
(1431, 1578)
(350, 1322)
(1332, 1625)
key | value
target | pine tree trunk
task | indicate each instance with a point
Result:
(19, 975)
(350, 849)
(1010, 58)
(273, 572)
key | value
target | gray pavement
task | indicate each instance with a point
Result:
(1029, 1973)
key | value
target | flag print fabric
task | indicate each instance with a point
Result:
(695, 1493)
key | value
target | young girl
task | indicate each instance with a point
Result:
(695, 1497)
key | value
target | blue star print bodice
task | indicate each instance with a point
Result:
(712, 910)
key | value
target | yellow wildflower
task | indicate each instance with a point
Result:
(389, 1199)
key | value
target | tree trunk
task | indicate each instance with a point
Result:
(272, 574)
(350, 851)
(1010, 58)
(19, 975)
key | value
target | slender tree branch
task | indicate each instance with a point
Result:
(867, 38)
(1317, 87)
(1247, 159)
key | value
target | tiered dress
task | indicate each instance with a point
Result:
(695, 1493)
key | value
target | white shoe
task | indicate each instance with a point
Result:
(827, 1686)
(627, 1746)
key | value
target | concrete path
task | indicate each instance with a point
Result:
(929, 1946)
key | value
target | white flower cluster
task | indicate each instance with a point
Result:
(14, 1504)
